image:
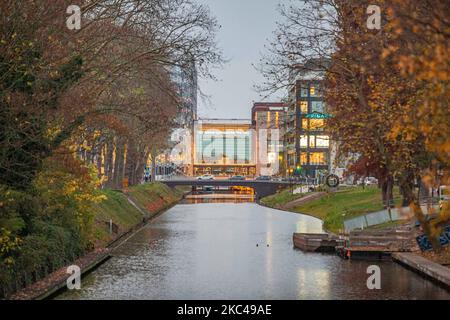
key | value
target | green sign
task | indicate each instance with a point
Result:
(318, 115)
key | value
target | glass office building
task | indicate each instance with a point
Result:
(268, 120)
(307, 137)
(223, 147)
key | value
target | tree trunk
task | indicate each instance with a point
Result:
(140, 165)
(131, 163)
(387, 191)
(99, 160)
(119, 164)
(109, 165)
(407, 189)
(153, 171)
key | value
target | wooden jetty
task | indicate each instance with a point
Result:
(360, 244)
(376, 244)
(316, 242)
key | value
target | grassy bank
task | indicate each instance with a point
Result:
(280, 198)
(150, 198)
(334, 208)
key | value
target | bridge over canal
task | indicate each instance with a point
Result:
(262, 188)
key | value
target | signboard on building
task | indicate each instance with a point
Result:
(277, 108)
(317, 115)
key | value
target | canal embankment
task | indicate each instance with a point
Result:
(426, 267)
(331, 207)
(393, 241)
(121, 214)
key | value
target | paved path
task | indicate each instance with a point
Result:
(297, 202)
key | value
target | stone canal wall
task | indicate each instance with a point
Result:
(428, 268)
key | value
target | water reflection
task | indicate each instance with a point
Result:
(224, 196)
(219, 251)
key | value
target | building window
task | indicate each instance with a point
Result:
(305, 124)
(317, 106)
(314, 91)
(303, 158)
(322, 141)
(304, 106)
(317, 124)
(303, 141)
(304, 92)
(312, 142)
(318, 158)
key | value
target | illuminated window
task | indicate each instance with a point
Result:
(314, 91)
(268, 118)
(304, 106)
(322, 141)
(312, 142)
(318, 158)
(303, 158)
(303, 141)
(317, 124)
(276, 119)
(305, 124)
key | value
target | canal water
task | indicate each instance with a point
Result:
(238, 251)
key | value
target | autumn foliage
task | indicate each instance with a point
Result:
(83, 109)
(386, 88)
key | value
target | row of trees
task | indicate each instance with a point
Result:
(108, 82)
(387, 88)
(81, 108)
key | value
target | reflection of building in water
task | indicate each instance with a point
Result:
(223, 147)
(268, 120)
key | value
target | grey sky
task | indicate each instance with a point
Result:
(246, 27)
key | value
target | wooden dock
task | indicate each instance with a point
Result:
(316, 242)
(376, 244)
(360, 244)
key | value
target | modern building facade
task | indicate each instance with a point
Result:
(307, 140)
(185, 79)
(268, 121)
(223, 147)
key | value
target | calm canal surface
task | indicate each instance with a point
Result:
(209, 251)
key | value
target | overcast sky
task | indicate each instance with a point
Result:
(246, 27)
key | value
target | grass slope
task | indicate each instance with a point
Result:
(280, 198)
(150, 198)
(334, 208)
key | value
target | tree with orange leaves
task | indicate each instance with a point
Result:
(387, 89)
